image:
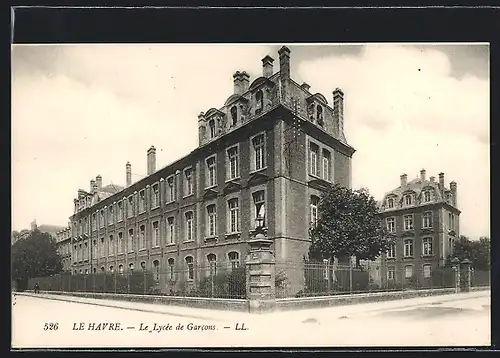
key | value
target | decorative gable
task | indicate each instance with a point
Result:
(232, 186)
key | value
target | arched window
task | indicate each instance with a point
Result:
(234, 116)
(143, 265)
(234, 259)
(120, 269)
(111, 269)
(131, 267)
(95, 269)
(259, 99)
(319, 115)
(171, 269)
(211, 125)
(190, 268)
(156, 269)
(103, 269)
(212, 263)
(86, 271)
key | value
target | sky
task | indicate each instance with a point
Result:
(79, 111)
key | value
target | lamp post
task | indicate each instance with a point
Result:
(456, 266)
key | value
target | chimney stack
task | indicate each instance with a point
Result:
(151, 160)
(244, 81)
(305, 86)
(267, 66)
(432, 179)
(237, 83)
(338, 109)
(98, 181)
(441, 182)
(404, 179)
(422, 175)
(453, 187)
(128, 174)
(92, 186)
(284, 54)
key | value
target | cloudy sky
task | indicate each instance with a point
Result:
(83, 110)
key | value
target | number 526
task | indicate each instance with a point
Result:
(50, 326)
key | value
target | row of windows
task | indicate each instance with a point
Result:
(408, 244)
(391, 271)
(410, 199)
(189, 266)
(258, 158)
(320, 162)
(408, 222)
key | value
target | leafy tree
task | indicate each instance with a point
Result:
(348, 225)
(477, 251)
(34, 256)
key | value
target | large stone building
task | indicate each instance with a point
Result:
(268, 151)
(63, 240)
(423, 215)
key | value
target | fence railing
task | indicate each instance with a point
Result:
(320, 279)
(200, 281)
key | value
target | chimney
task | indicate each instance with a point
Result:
(244, 81)
(151, 160)
(338, 109)
(98, 181)
(33, 225)
(128, 174)
(404, 179)
(432, 179)
(441, 182)
(92, 186)
(305, 86)
(284, 54)
(453, 187)
(422, 175)
(237, 83)
(267, 66)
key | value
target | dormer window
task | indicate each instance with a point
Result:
(259, 98)
(408, 199)
(211, 125)
(427, 196)
(319, 115)
(234, 116)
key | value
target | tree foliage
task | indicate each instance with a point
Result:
(35, 256)
(477, 251)
(348, 225)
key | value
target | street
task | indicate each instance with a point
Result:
(59, 322)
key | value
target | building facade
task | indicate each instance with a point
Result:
(423, 216)
(63, 240)
(269, 151)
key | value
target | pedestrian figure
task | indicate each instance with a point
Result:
(37, 288)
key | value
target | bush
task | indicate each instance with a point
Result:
(230, 284)
(443, 277)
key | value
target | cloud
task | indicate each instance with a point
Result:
(404, 112)
(84, 110)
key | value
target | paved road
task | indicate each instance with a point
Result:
(454, 320)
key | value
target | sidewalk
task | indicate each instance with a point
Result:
(295, 316)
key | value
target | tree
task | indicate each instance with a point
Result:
(348, 224)
(34, 256)
(477, 251)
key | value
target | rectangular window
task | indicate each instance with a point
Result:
(170, 230)
(259, 206)
(326, 165)
(391, 252)
(427, 271)
(427, 246)
(408, 222)
(189, 226)
(102, 248)
(427, 220)
(233, 157)
(451, 221)
(427, 196)
(211, 221)
(101, 219)
(391, 273)
(110, 215)
(142, 237)
(94, 249)
(130, 206)
(188, 182)
(120, 210)
(111, 247)
(211, 172)
(170, 189)
(408, 271)
(130, 240)
(155, 196)
(313, 155)
(314, 210)
(94, 221)
(171, 269)
(233, 215)
(234, 259)
(451, 245)
(408, 199)
(142, 201)
(408, 248)
(391, 224)
(156, 234)
(258, 152)
(390, 203)
(190, 268)
(120, 242)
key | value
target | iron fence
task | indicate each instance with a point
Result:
(201, 281)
